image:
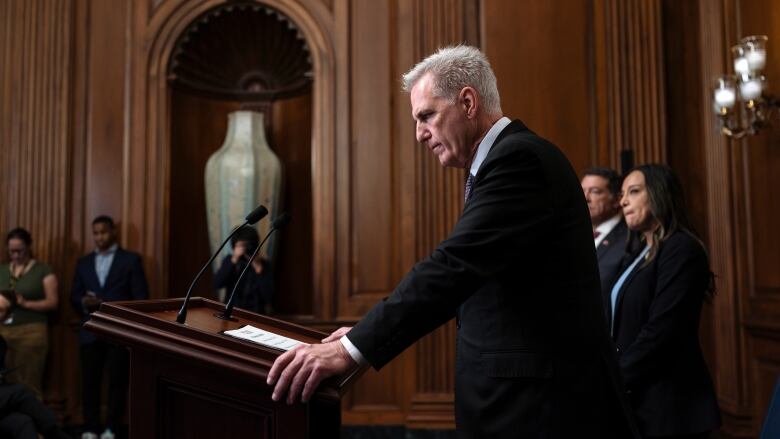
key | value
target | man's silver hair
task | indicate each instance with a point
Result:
(456, 67)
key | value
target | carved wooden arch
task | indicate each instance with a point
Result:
(147, 169)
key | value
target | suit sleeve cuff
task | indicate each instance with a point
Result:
(353, 351)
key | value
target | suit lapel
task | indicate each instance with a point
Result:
(621, 292)
(113, 268)
(609, 241)
(516, 126)
(91, 272)
(602, 248)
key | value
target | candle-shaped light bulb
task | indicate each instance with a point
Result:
(750, 89)
(741, 66)
(753, 49)
(756, 59)
(725, 97)
(724, 94)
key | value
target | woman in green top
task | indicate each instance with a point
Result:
(26, 330)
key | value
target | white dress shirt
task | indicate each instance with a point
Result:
(606, 227)
(103, 261)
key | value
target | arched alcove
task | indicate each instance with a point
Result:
(198, 105)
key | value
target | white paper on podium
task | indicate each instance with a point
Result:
(262, 337)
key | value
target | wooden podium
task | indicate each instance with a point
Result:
(191, 381)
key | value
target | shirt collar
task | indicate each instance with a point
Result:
(111, 250)
(487, 142)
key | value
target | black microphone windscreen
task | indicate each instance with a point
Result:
(256, 215)
(626, 160)
(281, 221)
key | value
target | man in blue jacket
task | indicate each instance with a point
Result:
(108, 274)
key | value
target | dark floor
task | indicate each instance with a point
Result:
(76, 430)
(363, 432)
(349, 432)
(394, 432)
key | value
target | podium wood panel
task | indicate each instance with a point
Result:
(190, 381)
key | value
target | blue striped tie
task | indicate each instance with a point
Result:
(469, 185)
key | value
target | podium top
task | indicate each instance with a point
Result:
(151, 324)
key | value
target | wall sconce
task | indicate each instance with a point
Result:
(744, 92)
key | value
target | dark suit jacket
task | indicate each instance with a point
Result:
(125, 281)
(656, 330)
(255, 290)
(533, 356)
(610, 253)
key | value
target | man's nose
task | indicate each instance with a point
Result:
(422, 134)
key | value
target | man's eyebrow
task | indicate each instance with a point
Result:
(421, 113)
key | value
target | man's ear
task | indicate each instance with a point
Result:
(469, 100)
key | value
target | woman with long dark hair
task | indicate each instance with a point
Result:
(655, 307)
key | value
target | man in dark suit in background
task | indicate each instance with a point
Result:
(518, 272)
(610, 234)
(108, 274)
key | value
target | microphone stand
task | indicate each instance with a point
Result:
(278, 223)
(253, 217)
(227, 314)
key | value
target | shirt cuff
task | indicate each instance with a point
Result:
(353, 351)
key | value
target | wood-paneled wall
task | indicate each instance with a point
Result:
(38, 160)
(402, 202)
(727, 183)
(588, 75)
(530, 70)
(90, 126)
(743, 238)
(629, 57)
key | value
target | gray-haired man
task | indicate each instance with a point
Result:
(518, 272)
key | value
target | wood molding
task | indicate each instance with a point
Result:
(630, 70)
(717, 154)
(369, 202)
(738, 212)
(37, 54)
(155, 33)
(439, 202)
(35, 160)
(758, 252)
(424, 200)
(431, 411)
(39, 162)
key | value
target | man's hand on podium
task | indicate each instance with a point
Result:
(299, 371)
(337, 334)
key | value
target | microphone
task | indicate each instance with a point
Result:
(256, 215)
(253, 217)
(279, 222)
(626, 160)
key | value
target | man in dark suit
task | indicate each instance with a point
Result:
(518, 272)
(610, 234)
(108, 274)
